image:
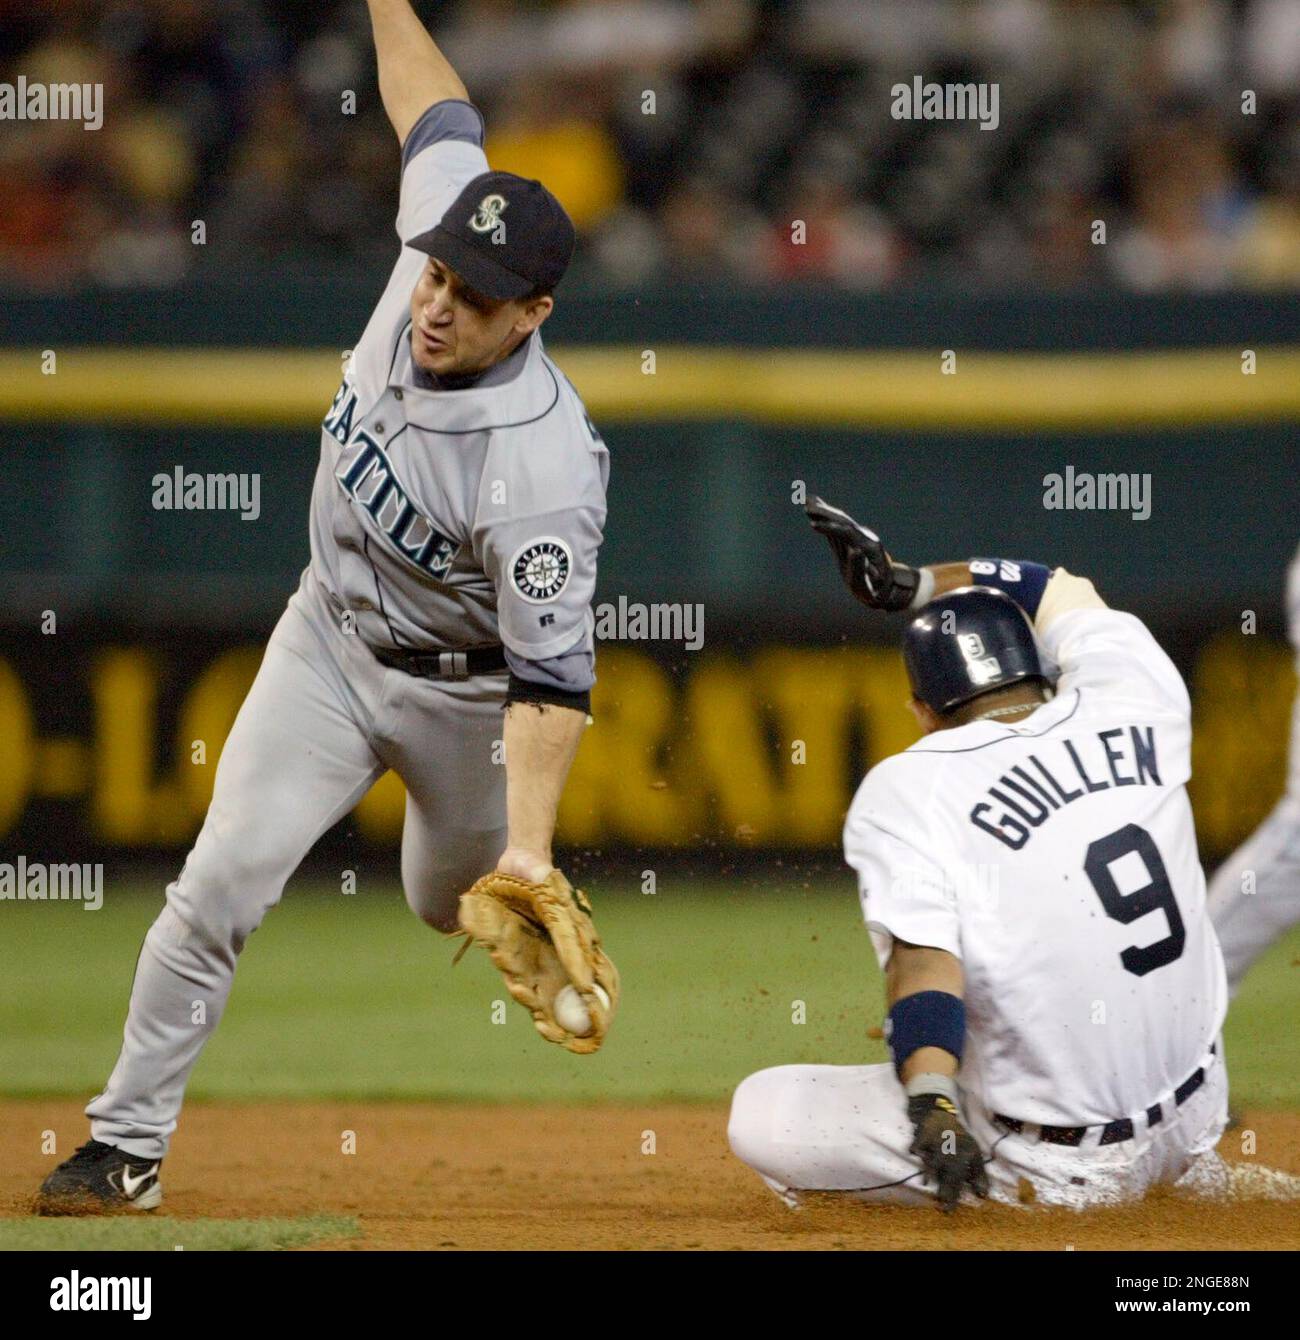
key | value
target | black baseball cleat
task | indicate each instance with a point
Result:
(101, 1179)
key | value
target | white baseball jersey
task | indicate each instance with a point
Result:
(1056, 858)
(448, 519)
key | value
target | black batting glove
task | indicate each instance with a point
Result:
(868, 571)
(947, 1150)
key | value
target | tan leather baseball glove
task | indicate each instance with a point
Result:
(542, 938)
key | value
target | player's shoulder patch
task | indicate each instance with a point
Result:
(539, 570)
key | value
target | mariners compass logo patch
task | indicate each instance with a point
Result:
(540, 570)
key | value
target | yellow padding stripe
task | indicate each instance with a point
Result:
(851, 389)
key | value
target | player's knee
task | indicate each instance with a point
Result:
(223, 898)
(434, 895)
(753, 1107)
(433, 887)
(439, 913)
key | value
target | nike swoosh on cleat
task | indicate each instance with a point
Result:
(131, 1186)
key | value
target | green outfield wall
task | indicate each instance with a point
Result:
(128, 631)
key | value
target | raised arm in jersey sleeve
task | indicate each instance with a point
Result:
(905, 894)
(1104, 649)
(440, 131)
(413, 72)
(443, 152)
(1092, 645)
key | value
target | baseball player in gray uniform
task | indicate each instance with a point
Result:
(455, 520)
(1255, 893)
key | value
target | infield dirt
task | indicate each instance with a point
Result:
(430, 1176)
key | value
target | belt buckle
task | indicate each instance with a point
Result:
(453, 665)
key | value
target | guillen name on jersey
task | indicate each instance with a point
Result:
(1029, 796)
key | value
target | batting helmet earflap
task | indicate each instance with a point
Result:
(966, 643)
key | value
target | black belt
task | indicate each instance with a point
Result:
(1114, 1131)
(444, 664)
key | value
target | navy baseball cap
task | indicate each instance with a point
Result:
(504, 236)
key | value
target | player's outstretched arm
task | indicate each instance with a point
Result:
(869, 572)
(881, 582)
(927, 1018)
(413, 73)
(541, 740)
(537, 927)
(913, 969)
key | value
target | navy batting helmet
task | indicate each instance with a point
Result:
(966, 643)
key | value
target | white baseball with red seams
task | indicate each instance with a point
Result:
(571, 1010)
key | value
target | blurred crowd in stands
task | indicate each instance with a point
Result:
(749, 140)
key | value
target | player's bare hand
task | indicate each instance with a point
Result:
(868, 571)
(947, 1150)
(534, 866)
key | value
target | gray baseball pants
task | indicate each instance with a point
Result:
(321, 723)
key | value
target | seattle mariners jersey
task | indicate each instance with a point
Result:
(450, 519)
(1056, 858)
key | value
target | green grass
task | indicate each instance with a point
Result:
(154, 1234)
(350, 996)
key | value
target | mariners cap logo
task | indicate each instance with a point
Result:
(488, 214)
(540, 570)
